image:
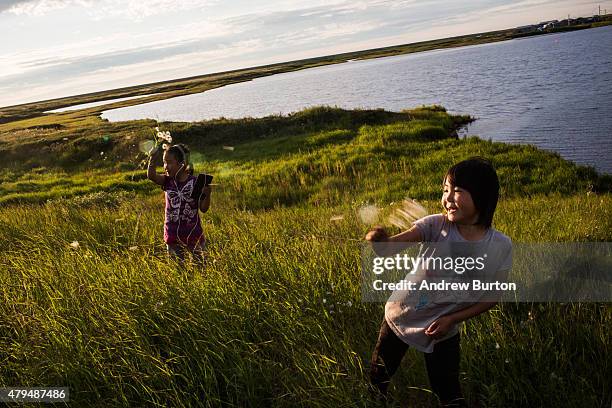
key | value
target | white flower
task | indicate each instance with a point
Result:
(157, 129)
(101, 153)
(324, 300)
(497, 346)
(75, 244)
(165, 136)
(349, 303)
(409, 212)
(368, 214)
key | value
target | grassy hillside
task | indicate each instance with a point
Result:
(275, 318)
(317, 156)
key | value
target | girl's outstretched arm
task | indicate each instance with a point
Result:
(151, 173)
(381, 241)
(205, 202)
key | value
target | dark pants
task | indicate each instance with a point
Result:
(442, 365)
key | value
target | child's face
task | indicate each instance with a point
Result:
(458, 204)
(171, 165)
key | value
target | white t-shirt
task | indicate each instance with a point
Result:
(408, 316)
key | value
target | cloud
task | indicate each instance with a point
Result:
(279, 31)
(276, 29)
(140, 9)
(39, 7)
(188, 49)
(7, 4)
(133, 9)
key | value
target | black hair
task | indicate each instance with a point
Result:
(477, 176)
(181, 154)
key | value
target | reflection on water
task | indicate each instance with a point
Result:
(93, 104)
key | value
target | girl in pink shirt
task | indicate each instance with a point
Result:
(182, 226)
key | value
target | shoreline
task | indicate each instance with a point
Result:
(197, 84)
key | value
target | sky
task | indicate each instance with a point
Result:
(55, 48)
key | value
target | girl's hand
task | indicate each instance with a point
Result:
(378, 234)
(440, 327)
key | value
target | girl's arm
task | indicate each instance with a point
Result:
(151, 173)
(442, 325)
(205, 202)
(385, 245)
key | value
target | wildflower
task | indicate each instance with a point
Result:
(496, 346)
(164, 136)
(165, 146)
(368, 214)
(324, 300)
(349, 303)
(101, 153)
(75, 244)
(409, 212)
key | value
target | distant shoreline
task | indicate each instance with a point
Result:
(197, 84)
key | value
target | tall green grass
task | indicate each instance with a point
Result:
(275, 317)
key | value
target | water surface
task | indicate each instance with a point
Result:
(552, 91)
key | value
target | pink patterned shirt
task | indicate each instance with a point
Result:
(182, 222)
